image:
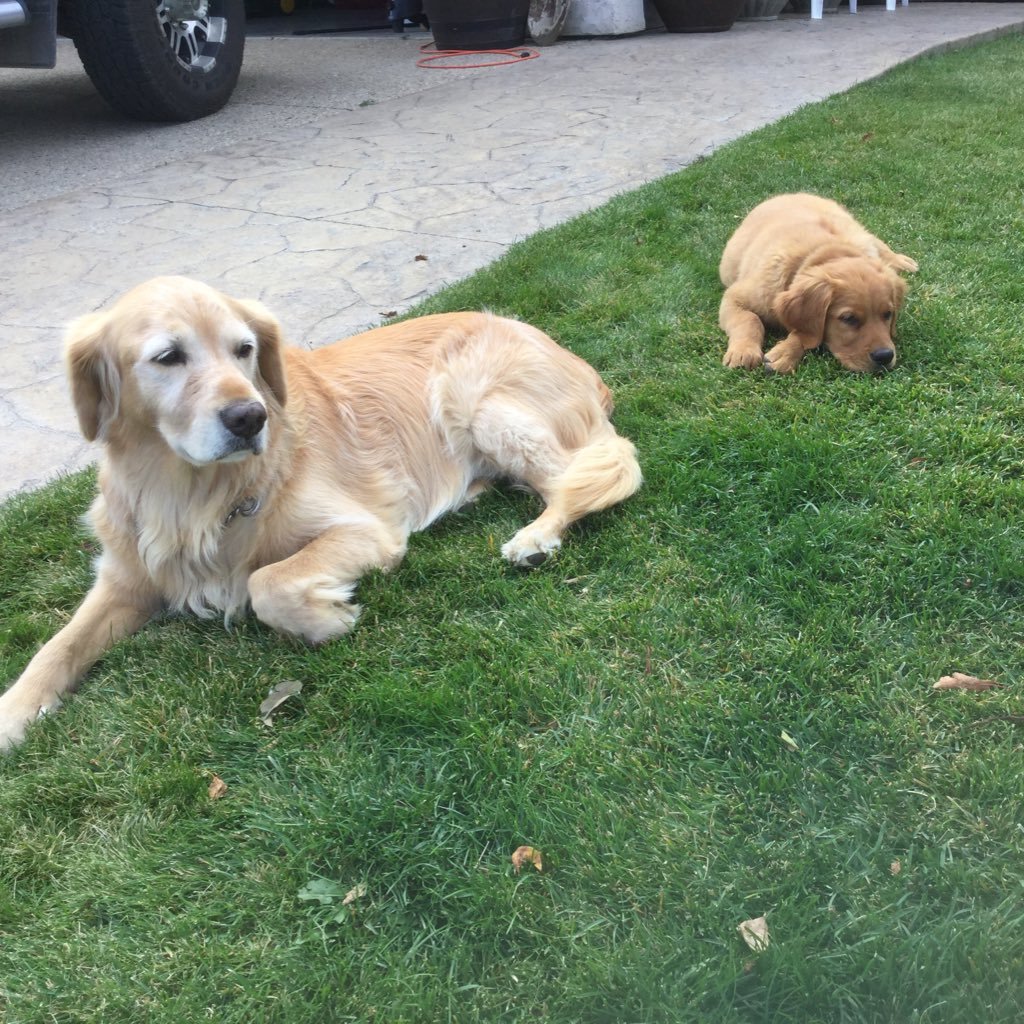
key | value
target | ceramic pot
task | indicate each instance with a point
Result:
(546, 20)
(604, 18)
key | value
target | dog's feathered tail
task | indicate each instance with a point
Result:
(599, 475)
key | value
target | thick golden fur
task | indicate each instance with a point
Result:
(802, 264)
(236, 470)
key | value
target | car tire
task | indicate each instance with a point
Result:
(150, 63)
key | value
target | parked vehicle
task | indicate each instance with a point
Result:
(153, 60)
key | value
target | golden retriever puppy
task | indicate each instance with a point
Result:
(236, 471)
(803, 265)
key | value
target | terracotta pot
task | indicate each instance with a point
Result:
(698, 15)
(477, 24)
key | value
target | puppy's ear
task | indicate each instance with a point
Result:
(802, 308)
(93, 374)
(899, 293)
(899, 290)
(268, 333)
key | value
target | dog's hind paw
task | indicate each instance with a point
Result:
(530, 548)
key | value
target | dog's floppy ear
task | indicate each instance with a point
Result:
(899, 293)
(899, 290)
(94, 376)
(268, 333)
(803, 307)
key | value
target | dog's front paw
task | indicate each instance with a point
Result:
(16, 716)
(12, 731)
(737, 357)
(530, 548)
(315, 612)
(781, 359)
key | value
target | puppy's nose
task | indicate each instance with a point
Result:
(244, 419)
(883, 356)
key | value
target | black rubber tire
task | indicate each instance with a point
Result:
(127, 55)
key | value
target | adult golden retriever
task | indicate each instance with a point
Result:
(235, 470)
(802, 263)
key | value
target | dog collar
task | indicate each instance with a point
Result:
(247, 507)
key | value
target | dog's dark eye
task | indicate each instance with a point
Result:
(887, 315)
(245, 349)
(172, 357)
(849, 319)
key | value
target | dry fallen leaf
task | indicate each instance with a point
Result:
(527, 855)
(791, 743)
(389, 313)
(960, 681)
(895, 868)
(277, 696)
(353, 894)
(754, 933)
(218, 787)
(420, 258)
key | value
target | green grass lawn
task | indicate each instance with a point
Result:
(808, 555)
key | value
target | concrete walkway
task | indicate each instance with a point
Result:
(338, 164)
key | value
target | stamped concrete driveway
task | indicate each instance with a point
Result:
(338, 163)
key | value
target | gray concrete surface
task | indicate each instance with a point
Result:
(338, 163)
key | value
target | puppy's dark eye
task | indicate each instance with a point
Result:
(245, 349)
(887, 315)
(172, 357)
(849, 319)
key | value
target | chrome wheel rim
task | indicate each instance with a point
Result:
(195, 38)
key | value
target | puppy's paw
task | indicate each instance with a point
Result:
(781, 359)
(530, 548)
(901, 262)
(742, 358)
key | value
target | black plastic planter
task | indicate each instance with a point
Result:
(477, 24)
(698, 15)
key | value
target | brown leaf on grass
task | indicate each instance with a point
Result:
(218, 787)
(960, 681)
(388, 314)
(867, 136)
(790, 743)
(754, 933)
(527, 855)
(895, 867)
(353, 894)
(277, 696)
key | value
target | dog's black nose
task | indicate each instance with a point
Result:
(244, 419)
(883, 356)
